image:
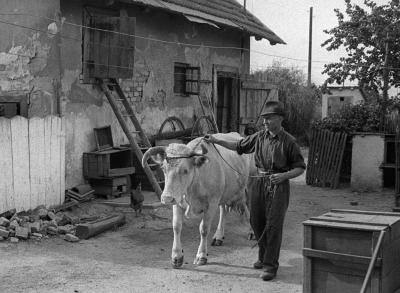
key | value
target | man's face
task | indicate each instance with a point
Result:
(272, 122)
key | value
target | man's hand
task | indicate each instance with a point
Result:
(210, 138)
(278, 178)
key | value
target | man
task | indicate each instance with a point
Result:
(278, 159)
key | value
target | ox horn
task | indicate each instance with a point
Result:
(201, 152)
(152, 152)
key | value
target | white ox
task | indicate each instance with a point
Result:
(198, 180)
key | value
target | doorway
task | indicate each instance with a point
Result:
(227, 102)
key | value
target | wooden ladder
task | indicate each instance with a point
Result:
(109, 86)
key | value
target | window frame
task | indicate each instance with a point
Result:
(190, 79)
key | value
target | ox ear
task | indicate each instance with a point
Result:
(202, 151)
(200, 161)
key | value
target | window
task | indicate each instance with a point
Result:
(11, 106)
(106, 53)
(186, 79)
(179, 78)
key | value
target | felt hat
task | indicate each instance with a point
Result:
(273, 108)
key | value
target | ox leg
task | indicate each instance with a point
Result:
(177, 251)
(201, 257)
(218, 238)
(250, 234)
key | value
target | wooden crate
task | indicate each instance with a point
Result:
(338, 247)
(108, 163)
(110, 187)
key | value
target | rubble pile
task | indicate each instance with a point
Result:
(38, 224)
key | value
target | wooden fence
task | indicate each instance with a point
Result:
(325, 158)
(32, 162)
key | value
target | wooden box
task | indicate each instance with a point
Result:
(108, 163)
(338, 247)
(110, 187)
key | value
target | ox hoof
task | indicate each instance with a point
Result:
(217, 242)
(177, 262)
(251, 236)
(200, 261)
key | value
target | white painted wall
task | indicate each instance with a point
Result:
(368, 152)
(341, 92)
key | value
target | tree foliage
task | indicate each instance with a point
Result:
(363, 117)
(363, 32)
(300, 101)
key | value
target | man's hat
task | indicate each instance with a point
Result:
(273, 108)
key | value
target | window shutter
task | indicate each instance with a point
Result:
(106, 52)
(192, 75)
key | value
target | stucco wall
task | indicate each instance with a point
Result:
(29, 55)
(51, 72)
(367, 156)
(347, 93)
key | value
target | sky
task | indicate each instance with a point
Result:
(289, 19)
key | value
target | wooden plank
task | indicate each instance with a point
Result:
(335, 155)
(311, 158)
(55, 160)
(321, 158)
(329, 255)
(37, 162)
(351, 226)
(330, 164)
(389, 214)
(121, 171)
(340, 159)
(62, 160)
(47, 162)
(257, 85)
(121, 57)
(327, 149)
(307, 262)
(87, 230)
(331, 167)
(101, 46)
(20, 157)
(7, 201)
(318, 156)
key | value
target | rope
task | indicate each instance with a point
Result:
(271, 193)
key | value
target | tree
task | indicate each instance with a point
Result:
(369, 33)
(300, 100)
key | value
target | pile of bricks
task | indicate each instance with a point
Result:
(39, 224)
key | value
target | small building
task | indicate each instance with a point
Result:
(179, 58)
(335, 98)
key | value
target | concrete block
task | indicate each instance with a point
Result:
(73, 220)
(67, 229)
(52, 230)
(37, 235)
(51, 215)
(71, 238)
(4, 222)
(14, 240)
(35, 227)
(4, 233)
(14, 224)
(22, 233)
(42, 213)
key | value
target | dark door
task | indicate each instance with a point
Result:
(224, 104)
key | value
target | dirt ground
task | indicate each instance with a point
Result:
(136, 256)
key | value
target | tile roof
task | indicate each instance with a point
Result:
(223, 12)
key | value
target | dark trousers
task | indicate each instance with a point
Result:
(267, 210)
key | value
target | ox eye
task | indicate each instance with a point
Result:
(185, 171)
